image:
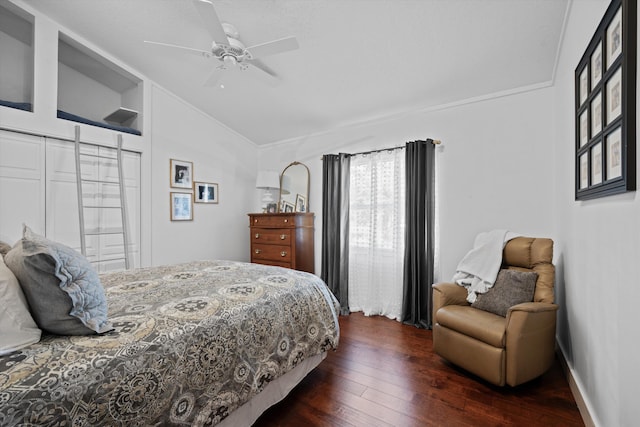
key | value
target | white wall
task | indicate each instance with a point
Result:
(600, 244)
(495, 166)
(218, 231)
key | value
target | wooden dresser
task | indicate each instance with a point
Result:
(283, 239)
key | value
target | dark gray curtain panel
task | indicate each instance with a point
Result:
(419, 232)
(335, 226)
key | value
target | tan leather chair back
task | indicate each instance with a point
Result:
(533, 254)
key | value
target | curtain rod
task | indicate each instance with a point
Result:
(433, 141)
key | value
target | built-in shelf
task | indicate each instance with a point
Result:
(16, 53)
(121, 117)
(95, 91)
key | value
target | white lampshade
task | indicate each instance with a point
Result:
(268, 180)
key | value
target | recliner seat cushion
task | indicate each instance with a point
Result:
(481, 325)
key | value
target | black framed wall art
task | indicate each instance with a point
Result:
(605, 104)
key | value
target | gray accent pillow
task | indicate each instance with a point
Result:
(63, 290)
(4, 248)
(17, 328)
(511, 287)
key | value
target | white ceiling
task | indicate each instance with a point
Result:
(358, 59)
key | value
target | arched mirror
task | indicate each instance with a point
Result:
(294, 188)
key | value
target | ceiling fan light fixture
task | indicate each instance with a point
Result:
(229, 60)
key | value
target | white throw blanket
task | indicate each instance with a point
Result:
(480, 266)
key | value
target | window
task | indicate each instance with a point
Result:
(376, 232)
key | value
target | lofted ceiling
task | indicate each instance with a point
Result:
(358, 60)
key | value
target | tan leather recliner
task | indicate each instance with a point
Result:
(502, 350)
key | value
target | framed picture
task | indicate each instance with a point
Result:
(614, 164)
(614, 96)
(584, 171)
(584, 85)
(596, 115)
(205, 192)
(614, 38)
(596, 164)
(181, 174)
(301, 203)
(596, 66)
(605, 109)
(584, 128)
(272, 208)
(287, 207)
(181, 207)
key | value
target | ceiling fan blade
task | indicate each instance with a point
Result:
(182, 48)
(215, 76)
(262, 73)
(261, 66)
(211, 21)
(271, 48)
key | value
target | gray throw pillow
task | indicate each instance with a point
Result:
(63, 290)
(17, 328)
(4, 248)
(511, 287)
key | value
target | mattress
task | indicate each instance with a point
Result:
(193, 342)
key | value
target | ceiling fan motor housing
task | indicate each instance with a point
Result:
(235, 49)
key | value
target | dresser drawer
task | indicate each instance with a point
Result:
(271, 236)
(273, 221)
(271, 252)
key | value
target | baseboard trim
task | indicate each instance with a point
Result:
(575, 390)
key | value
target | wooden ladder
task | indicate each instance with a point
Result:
(98, 208)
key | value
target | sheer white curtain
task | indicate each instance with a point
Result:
(376, 233)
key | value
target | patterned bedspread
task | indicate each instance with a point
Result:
(192, 342)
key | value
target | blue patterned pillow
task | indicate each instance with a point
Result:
(63, 290)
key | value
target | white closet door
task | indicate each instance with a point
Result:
(22, 184)
(62, 204)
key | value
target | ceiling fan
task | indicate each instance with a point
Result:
(230, 51)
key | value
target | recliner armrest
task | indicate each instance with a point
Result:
(530, 340)
(448, 294)
(533, 307)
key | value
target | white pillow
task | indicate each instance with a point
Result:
(17, 327)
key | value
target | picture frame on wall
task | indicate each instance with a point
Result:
(181, 206)
(584, 171)
(613, 147)
(181, 174)
(205, 192)
(614, 38)
(605, 109)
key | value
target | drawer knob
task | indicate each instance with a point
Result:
(257, 251)
(283, 236)
(286, 220)
(283, 254)
(257, 235)
(255, 220)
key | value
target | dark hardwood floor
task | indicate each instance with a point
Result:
(386, 374)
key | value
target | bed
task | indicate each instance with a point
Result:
(199, 343)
